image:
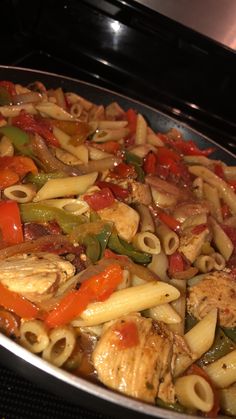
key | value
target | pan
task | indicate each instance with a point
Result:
(74, 389)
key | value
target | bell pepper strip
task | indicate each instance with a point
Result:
(111, 147)
(77, 130)
(119, 246)
(150, 163)
(19, 138)
(18, 164)
(15, 302)
(100, 199)
(93, 248)
(221, 346)
(131, 158)
(218, 169)
(97, 288)
(230, 332)
(41, 178)
(176, 264)
(9, 86)
(167, 156)
(189, 148)
(195, 369)
(41, 213)
(131, 117)
(10, 223)
(125, 170)
(126, 335)
(199, 229)
(118, 191)
(42, 127)
(170, 221)
(103, 237)
(8, 178)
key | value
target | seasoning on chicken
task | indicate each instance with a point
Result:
(36, 276)
(136, 356)
(216, 289)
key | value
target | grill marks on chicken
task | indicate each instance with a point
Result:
(144, 370)
(216, 289)
(36, 276)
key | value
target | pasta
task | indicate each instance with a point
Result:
(117, 252)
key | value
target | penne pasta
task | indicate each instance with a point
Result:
(34, 336)
(6, 147)
(20, 193)
(159, 265)
(165, 313)
(54, 111)
(168, 238)
(193, 391)
(228, 400)
(211, 194)
(55, 188)
(223, 371)
(126, 301)
(79, 151)
(225, 191)
(65, 336)
(146, 220)
(222, 241)
(199, 340)
(141, 130)
(179, 305)
(147, 242)
(204, 263)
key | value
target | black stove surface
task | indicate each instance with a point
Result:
(125, 47)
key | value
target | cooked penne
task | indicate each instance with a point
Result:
(228, 400)
(168, 238)
(74, 206)
(14, 110)
(199, 339)
(54, 111)
(141, 130)
(79, 151)
(165, 313)
(194, 220)
(225, 191)
(126, 301)
(34, 336)
(229, 171)
(159, 265)
(55, 188)
(204, 263)
(112, 124)
(219, 261)
(198, 187)
(211, 194)
(20, 193)
(195, 392)
(101, 136)
(147, 242)
(96, 154)
(163, 199)
(222, 240)
(146, 220)
(179, 305)
(223, 371)
(61, 346)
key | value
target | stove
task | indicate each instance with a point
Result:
(175, 60)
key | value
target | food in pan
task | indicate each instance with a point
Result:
(117, 258)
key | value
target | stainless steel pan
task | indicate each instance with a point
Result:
(31, 366)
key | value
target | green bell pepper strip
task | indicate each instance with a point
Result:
(230, 332)
(43, 214)
(103, 237)
(5, 97)
(121, 247)
(19, 138)
(40, 179)
(93, 248)
(137, 162)
(222, 345)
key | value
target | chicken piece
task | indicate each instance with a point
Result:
(142, 368)
(36, 276)
(125, 218)
(140, 193)
(191, 243)
(216, 289)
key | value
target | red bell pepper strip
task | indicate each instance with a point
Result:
(109, 146)
(125, 170)
(150, 164)
(8, 178)
(199, 228)
(9, 86)
(196, 370)
(131, 117)
(15, 302)
(189, 148)
(97, 288)
(218, 169)
(170, 221)
(10, 223)
(176, 263)
(100, 199)
(166, 156)
(42, 127)
(118, 191)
